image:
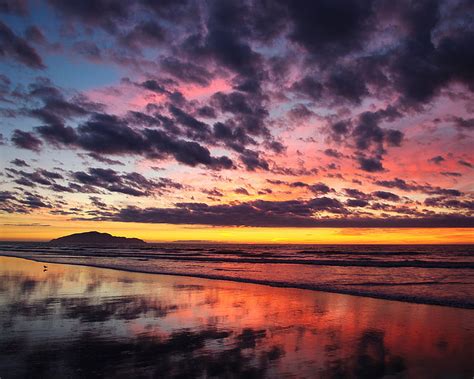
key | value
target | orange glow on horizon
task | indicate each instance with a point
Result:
(43, 229)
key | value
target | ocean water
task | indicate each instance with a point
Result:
(431, 274)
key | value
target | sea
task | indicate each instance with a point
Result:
(430, 274)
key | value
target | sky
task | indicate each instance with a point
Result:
(324, 121)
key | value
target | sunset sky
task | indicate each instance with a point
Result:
(238, 121)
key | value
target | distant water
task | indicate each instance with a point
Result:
(432, 274)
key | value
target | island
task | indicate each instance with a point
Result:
(96, 238)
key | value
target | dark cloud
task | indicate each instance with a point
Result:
(39, 176)
(19, 163)
(370, 164)
(154, 86)
(422, 69)
(340, 128)
(451, 173)
(179, 10)
(308, 87)
(300, 112)
(88, 49)
(17, 7)
(232, 136)
(206, 111)
(56, 110)
(26, 140)
(100, 158)
(437, 160)
(367, 137)
(367, 132)
(34, 34)
(133, 184)
(332, 153)
(97, 202)
(384, 195)
(397, 183)
(105, 134)
(357, 203)
(145, 33)
(329, 29)
(186, 72)
(252, 161)
(197, 129)
(298, 184)
(15, 47)
(413, 186)
(224, 41)
(348, 85)
(242, 191)
(34, 201)
(213, 192)
(104, 13)
(320, 188)
(275, 214)
(355, 193)
(394, 137)
(465, 163)
(445, 202)
(463, 123)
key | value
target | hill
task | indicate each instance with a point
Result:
(96, 238)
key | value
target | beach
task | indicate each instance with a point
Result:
(77, 321)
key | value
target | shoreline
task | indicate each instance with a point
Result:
(316, 288)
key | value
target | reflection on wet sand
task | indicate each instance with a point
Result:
(72, 321)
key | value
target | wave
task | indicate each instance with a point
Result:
(272, 260)
(351, 289)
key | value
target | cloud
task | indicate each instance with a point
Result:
(19, 163)
(444, 202)
(357, 203)
(26, 140)
(105, 134)
(15, 47)
(451, 173)
(242, 191)
(370, 164)
(186, 72)
(386, 195)
(17, 7)
(252, 161)
(437, 160)
(143, 34)
(275, 214)
(133, 184)
(465, 163)
(105, 160)
(35, 35)
(332, 153)
(103, 13)
(463, 123)
(329, 29)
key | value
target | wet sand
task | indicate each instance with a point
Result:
(77, 321)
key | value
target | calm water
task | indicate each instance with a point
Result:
(418, 273)
(77, 321)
